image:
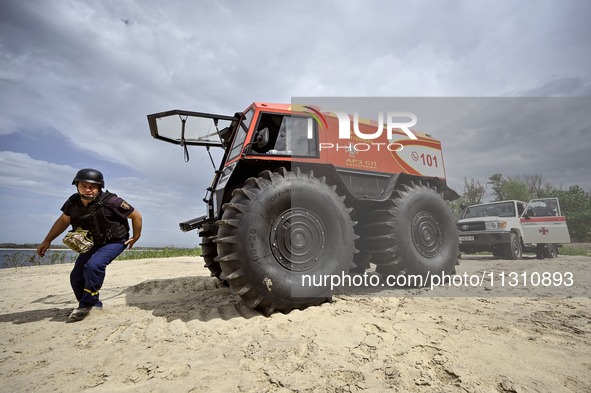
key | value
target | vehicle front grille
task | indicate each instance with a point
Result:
(471, 226)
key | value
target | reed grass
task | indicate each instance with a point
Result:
(21, 259)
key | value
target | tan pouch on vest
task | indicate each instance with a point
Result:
(79, 240)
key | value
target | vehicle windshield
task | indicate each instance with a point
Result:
(505, 209)
(241, 134)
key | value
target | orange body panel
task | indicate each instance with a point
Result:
(421, 157)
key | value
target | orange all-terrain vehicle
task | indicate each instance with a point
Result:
(293, 202)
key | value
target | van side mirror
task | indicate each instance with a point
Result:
(529, 213)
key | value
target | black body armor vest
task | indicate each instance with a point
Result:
(93, 218)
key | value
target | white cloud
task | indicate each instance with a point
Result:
(21, 172)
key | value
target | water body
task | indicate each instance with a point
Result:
(29, 253)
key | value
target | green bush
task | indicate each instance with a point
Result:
(575, 205)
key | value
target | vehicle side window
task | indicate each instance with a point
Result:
(241, 134)
(544, 207)
(520, 209)
(287, 135)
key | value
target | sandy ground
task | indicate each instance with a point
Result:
(168, 326)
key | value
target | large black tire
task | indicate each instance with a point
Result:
(278, 228)
(209, 251)
(362, 258)
(513, 249)
(414, 233)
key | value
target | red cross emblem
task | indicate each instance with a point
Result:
(544, 231)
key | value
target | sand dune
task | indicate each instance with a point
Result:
(168, 326)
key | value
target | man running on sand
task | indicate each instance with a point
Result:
(105, 216)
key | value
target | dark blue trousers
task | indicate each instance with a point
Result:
(89, 272)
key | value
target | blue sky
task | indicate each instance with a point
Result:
(77, 80)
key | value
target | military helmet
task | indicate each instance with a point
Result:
(89, 176)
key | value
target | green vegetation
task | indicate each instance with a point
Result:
(574, 251)
(167, 252)
(575, 205)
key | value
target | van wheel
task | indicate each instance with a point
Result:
(278, 232)
(513, 248)
(414, 233)
(550, 251)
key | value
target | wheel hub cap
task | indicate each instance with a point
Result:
(298, 239)
(426, 234)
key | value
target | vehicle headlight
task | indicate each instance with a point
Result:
(495, 224)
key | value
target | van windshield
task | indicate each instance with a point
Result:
(505, 209)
